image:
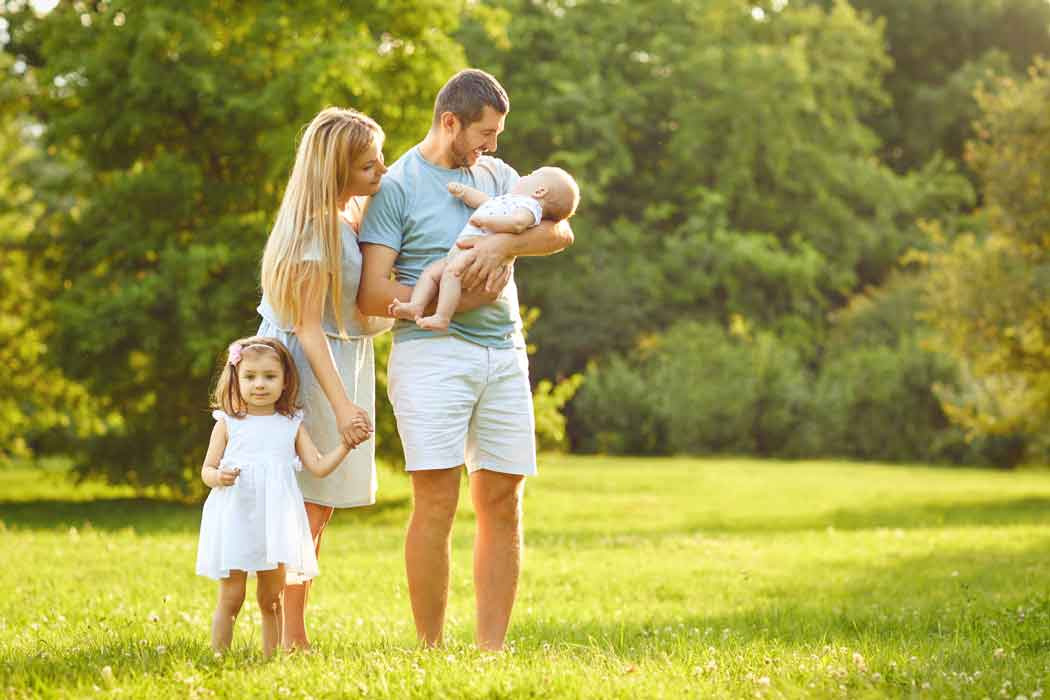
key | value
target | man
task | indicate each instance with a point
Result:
(462, 397)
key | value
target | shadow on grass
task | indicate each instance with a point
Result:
(957, 604)
(147, 515)
(992, 513)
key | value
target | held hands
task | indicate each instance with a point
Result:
(355, 426)
(491, 265)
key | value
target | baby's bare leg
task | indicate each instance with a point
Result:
(231, 597)
(448, 294)
(425, 289)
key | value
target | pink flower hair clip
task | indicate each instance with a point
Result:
(234, 354)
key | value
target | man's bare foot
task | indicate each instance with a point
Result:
(433, 323)
(297, 646)
(405, 310)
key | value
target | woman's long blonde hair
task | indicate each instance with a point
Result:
(309, 213)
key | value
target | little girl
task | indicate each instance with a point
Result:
(254, 521)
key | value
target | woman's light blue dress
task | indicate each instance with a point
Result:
(354, 482)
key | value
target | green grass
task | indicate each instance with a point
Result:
(643, 578)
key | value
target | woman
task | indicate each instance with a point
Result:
(311, 269)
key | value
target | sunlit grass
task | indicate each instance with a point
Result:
(643, 578)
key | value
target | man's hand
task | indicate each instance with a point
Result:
(491, 264)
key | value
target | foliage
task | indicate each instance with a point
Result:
(724, 161)
(941, 51)
(988, 297)
(37, 401)
(180, 121)
(696, 389)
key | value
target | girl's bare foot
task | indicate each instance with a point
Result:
(405, 310)
(433, 323)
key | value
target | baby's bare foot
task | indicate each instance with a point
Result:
(455, 189)
(433, 323)
(405, 310)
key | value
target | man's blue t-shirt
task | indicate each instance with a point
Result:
(414, 214)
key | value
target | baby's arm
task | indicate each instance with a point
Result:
(517, 222)
(317, 464)
(470, 196)
(211, 475)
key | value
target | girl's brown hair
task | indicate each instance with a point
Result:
(227, 395)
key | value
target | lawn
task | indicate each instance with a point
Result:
(643, 578)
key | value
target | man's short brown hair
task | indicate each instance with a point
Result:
(466, 95)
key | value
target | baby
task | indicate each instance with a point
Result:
(546, 193)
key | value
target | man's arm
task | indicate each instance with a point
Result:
(377, 290)
(493, 252)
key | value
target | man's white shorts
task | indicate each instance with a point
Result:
(461, 403)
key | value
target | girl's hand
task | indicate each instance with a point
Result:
(355, 426)
(222, 477)
(228, 477)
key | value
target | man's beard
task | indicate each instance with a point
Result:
(461, 155)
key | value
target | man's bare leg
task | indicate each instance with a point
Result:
(428, 548)
(296, 594)
(497, 552)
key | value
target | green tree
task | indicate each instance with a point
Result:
(37, 401)
(179, 120)
(988, 296)
(725, 163)
(941, 51)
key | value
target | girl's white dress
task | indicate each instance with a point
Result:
(260, 521)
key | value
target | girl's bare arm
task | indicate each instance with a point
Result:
(317, 464)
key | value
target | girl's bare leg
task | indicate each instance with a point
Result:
(231, 597)
(270, 594)
(296, 594)
(425, 289)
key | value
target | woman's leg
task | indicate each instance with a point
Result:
(231, 597)
(295, 595)
(268, 592)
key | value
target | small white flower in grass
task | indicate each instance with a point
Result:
(1021, 697)
(450, 658)
(161, 649)
(154, 617)
(955, 574)
(859, 662)
(283, 692)
(877, 677)
(999, 653)
(711, 666)
(764, 680)
(107, 676)
(1037, 693)
(925, 686)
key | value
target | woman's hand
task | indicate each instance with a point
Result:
(354, 425)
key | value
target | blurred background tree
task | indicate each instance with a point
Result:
(988, 296)
(772, 192)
